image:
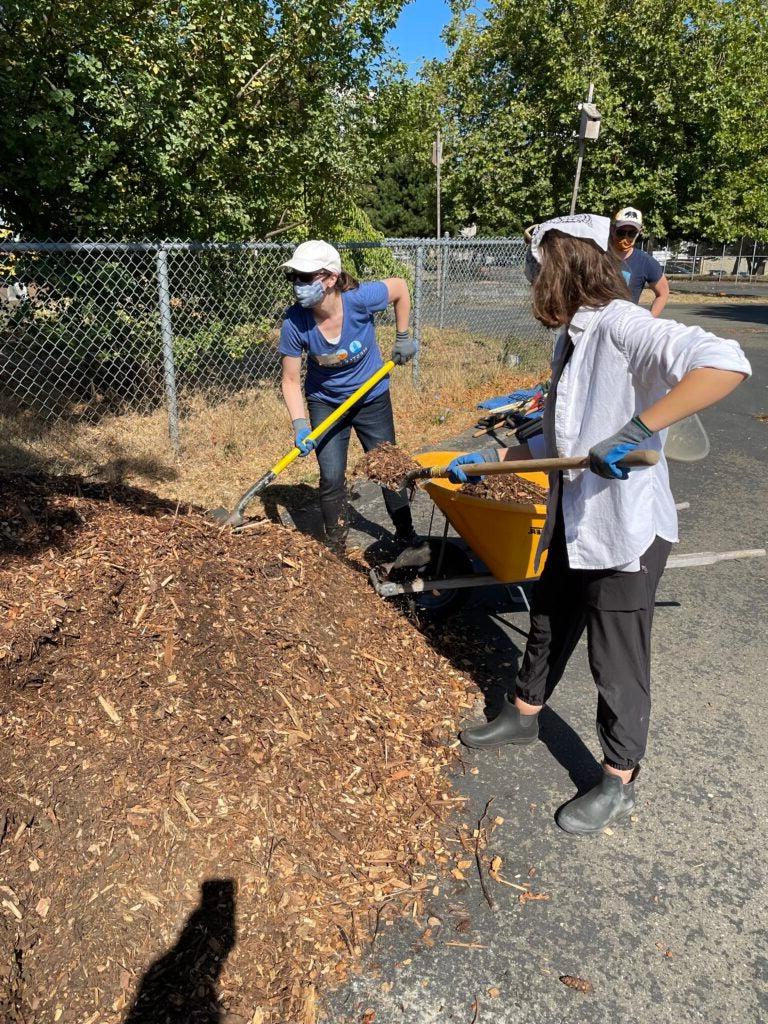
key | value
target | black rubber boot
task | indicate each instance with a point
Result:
(336, 536)
(609, 802)
(405, 535)
(336, 520)
(337, 541)
(509, 726)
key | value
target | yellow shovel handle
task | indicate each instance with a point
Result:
(321, 428)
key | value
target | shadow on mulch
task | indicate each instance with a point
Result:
(15, 459)
(181, 986)
(302, 503)
(33, 519)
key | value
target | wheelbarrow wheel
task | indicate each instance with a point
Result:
(439, 605)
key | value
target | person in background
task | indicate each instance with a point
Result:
(620, 377)
(332, 322)
(640, 270)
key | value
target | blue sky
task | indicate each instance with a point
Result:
(417, 34)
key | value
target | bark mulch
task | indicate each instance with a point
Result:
(221, 763)
(507, 487)
(386, 465)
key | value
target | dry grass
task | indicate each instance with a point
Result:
(226, 446)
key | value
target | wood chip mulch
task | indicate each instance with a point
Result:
(507, 487)
(218, 763)
(386, 465)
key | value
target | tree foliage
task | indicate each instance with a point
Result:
(186, 118)
(681, 87)
(401, 196)
(401, 199)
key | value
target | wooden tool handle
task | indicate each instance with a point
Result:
(637, 458)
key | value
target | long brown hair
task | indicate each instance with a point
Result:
(346, 283)
(574, 272)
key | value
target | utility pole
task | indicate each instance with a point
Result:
(589, 128)
(437, 159)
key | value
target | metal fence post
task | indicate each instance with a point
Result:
(418, 279)
(446, 253)
(166, 335)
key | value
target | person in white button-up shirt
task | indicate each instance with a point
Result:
(620, 377)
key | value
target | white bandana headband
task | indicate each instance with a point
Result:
(579, 225)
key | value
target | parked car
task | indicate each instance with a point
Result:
(678, 268)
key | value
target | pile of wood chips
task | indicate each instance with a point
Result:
(221, 754)
(507, 487)
(386, 465)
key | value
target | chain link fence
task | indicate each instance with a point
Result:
(96, 329)
(89, 329)
(744, 261)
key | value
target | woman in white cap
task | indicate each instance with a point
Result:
(620, 377)
(332, 322)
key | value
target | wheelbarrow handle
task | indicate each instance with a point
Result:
(631, 459)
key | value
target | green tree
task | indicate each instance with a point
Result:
(401, 199)
(200, 118)
(680, 87)
(400, 195)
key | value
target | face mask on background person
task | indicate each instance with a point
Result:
(532, 266)
(308, 295)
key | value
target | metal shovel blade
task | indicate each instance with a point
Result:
(223, 517)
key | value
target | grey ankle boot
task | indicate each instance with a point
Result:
(509, 726)
(610, 801)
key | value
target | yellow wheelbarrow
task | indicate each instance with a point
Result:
(502, 535)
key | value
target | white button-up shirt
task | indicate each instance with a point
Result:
(623, 361)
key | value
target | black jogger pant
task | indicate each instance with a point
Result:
(617, 610)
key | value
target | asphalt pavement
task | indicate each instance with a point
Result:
(666, 918)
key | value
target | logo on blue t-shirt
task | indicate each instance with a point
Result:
(355, 347)
(627, 276)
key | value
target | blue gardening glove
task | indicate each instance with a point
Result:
(303, 442)
(456, 473)
(515, 396)
(603, 457)
(405, 348)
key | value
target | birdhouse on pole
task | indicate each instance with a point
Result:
(590, 121)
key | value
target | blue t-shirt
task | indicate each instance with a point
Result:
(335, 371)
(640, 269)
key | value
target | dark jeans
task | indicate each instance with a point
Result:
(616, 608)
(374, 424)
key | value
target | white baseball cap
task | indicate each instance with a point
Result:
(312, 256)
(629, 217)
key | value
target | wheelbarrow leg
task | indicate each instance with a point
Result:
(442, 549)
(511, 587)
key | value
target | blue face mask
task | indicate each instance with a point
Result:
(308, 295)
